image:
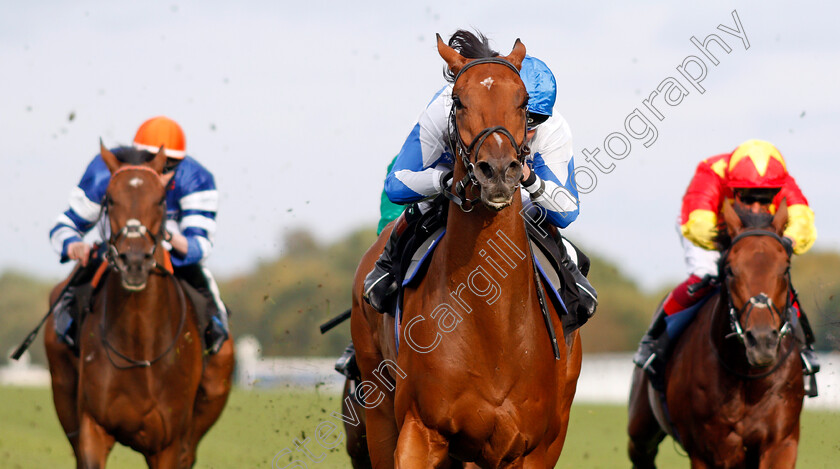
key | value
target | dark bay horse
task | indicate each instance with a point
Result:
(734, 383)
(475, 382)
(140, 378)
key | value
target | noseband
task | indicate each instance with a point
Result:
(466, 151)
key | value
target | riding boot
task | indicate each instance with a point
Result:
(65, 325)
(381, 283)
(67, 309)
(216, 332)
(653, 349)
(810, 362)
(346, 364)
(588, 295)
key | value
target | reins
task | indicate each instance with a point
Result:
(458, 145)
(141, 363)
(135, 229)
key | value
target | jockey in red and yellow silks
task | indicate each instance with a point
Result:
(755, 174)
(755, 164)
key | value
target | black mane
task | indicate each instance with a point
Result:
(749, 219)
(469, 45)
(131, 155)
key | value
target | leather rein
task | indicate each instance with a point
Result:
(466, 151)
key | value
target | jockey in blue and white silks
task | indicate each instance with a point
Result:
(191, 205)
(549, 190)
(426, 156)
(192, 202)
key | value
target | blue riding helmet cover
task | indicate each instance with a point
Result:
(541, 85)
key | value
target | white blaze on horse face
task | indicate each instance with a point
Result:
(498, 140)
(135, 182)
(488, 82)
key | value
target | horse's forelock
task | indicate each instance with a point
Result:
(133, 156)
(471, 46)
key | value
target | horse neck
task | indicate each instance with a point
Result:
(491, 248)
(137, 318)
(467, 233)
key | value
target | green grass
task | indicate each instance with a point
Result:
(257, 425)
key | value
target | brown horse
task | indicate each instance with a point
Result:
(476, 381)
(734, 383)
(140, 378)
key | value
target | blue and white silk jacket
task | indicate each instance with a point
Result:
(425, 157)
(191, 205)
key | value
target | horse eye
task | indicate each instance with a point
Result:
(457, 101)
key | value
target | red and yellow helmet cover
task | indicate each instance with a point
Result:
(756, 164)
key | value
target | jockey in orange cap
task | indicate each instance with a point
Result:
(755, 174)
(191, 205)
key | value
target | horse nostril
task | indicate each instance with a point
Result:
(774, 335)
(515, 168)
(486, 169)
(751, 341)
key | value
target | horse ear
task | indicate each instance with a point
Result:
(734, 225)
(111, 161)
(781, 217)
(165, 178)
(453, 59)
(517, 54)
(159, 161)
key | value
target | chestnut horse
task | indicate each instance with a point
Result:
(476, 380)
(734, 385)
(140, 378)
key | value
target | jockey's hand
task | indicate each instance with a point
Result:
(79, 251)
(179, 242)
(526, 172)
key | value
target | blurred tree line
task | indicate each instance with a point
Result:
(283, 301)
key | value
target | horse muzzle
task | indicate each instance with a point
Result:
(498, 180)
(134, 269)
(762, 346)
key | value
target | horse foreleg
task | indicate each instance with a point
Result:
(213, 392)
(94, 444)
(420, 447)
(64, 376)
(697, 463)
(643, 429)
(356, 437)
(780, 456)
(171, 457)
(574, 357)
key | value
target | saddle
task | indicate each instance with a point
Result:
(89, 282)
(424, 232)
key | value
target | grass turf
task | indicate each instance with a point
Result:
(256, 426)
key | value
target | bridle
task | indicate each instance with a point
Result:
(133, 229)
(761, 300)
(466, 151)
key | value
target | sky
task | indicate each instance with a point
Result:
(298, 107)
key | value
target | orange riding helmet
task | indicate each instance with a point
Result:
(756, 164)
(164, 131)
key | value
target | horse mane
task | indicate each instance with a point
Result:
(469, 45)
(749, 219)
(131, 155)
